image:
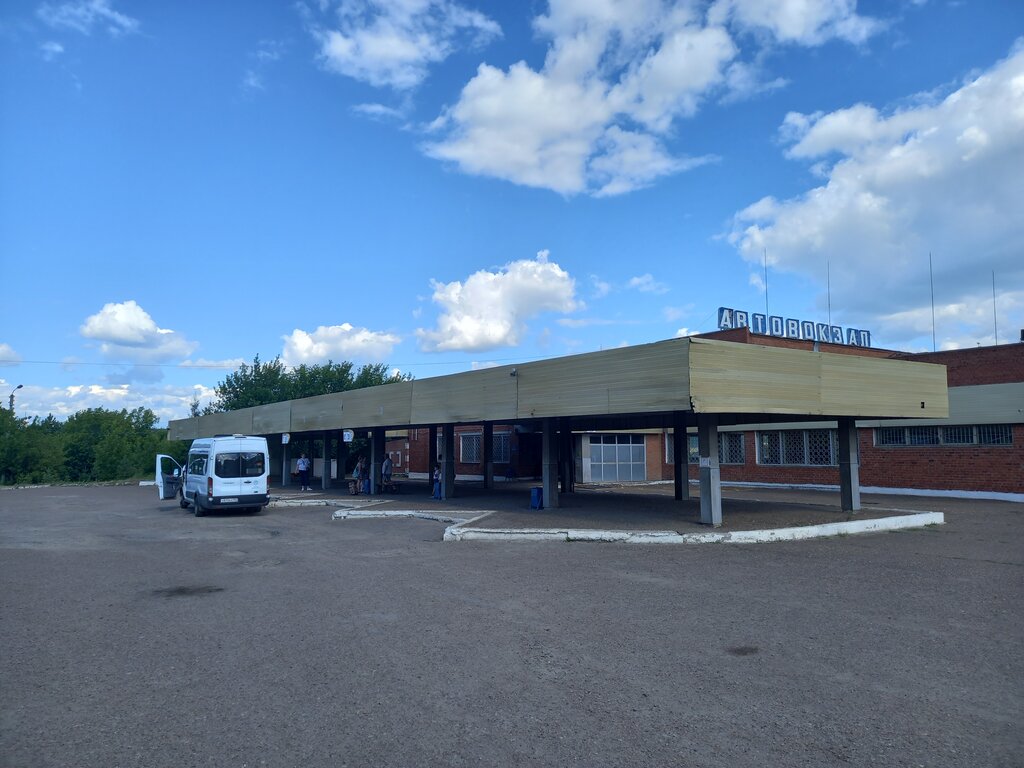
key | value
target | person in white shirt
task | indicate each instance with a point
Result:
(303, 466)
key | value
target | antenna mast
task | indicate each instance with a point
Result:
(766, 312)
(995, 322)
(828, 289)
(931, 280)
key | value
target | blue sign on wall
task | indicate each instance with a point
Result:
(790, 328)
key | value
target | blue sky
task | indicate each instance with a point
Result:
(448, 185)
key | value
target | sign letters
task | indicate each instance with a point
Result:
(790, 328)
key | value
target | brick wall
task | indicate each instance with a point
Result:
(1003, 364)
(940, 468)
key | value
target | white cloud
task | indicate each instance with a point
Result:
(51, 50)
(480, 366)
(596, 117)
(392, 44)
(804, 22)
(943, 176)
(230, 364)
(336, 342)
(379, 111)
(490, 309)
(647, 284)
(252, 81)
(8, 356)
(126, 332)
(85, 15)
(601, 288)
(167, 402)
(684, 332)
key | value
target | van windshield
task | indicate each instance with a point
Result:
(245, 464)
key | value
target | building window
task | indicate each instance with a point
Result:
(798, 447)
(923, 435)
(958, 435)
(890, 436)
(995, 434)
(693, 449)
(983, 434)
(617, 458)
(730, 448)
(469, 449)
(501, 447)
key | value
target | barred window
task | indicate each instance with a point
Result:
(693, 449)
(501, 447)
(730, 448)
(995, 434)
(793, 450)
(821, 447)
(799, 447)
(923, 435)
(769, 446)
(958, 435)
(470, 448)
(891, 436)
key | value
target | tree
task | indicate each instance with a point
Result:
(258, 384)
(263, 383)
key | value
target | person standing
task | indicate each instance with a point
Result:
(303, 466)
(385, 471)
(437, 482)
(357, 485)
(364, 473)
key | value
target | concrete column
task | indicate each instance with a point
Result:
(565, 457)
(549, 470)
(488, 455)
(377, 446)
(710, 475)
(448, 461)
(286, 475)
(680, 457)
(849, 465)
(325, 481)
(431, 456)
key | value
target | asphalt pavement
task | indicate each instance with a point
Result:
(134, 634)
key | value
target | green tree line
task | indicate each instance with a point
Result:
(97, 444)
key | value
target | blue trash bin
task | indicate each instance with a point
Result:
(537, 498)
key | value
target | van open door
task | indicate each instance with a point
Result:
(168, 476)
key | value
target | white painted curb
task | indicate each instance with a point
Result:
(358, 514)
(919, 520)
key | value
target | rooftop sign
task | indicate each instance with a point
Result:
(788, 328)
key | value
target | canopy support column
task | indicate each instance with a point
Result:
(488, 455)
(325, 480)
(710, 474)
(549, 468)
(680, 457)
(431, 455)
(376, 457)
(849, 465)
(448, 461)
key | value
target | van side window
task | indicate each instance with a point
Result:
(197, 463)
(228, 465)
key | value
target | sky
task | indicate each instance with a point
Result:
(443, 186)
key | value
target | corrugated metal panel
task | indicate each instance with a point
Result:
(745, 378)
(386, 405)
(870, 386)
(275, 417)
(980, 404)
(231, 423)
(183, 429)
(486, 395)
(648, 378)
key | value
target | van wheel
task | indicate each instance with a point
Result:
(199, 507)
(182, 501)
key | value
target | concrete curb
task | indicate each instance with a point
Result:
(461, 533)
(350, 514)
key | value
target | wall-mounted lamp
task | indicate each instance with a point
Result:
(513, 372)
